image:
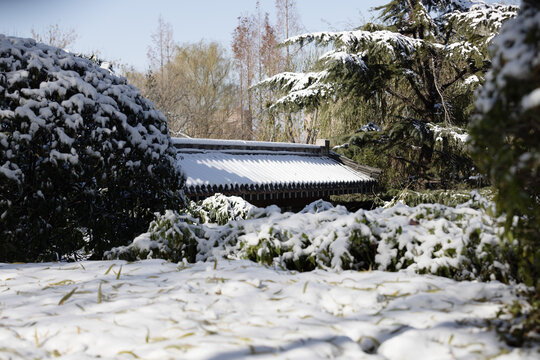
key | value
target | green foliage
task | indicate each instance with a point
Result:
(505, 142)
(505, 134)
(505, 131)
(412, 198)
(444, 197)
(362, 248)
(420, 61)
(82, 156)
(523, 327)
(412, 154)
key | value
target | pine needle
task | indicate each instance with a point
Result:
(11, 351)
(186, 335)
(67, 296)
(183, 347)
(128, 352)
(99, 294)
(119, 272)
(109, 269)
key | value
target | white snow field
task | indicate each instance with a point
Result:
(231, 309)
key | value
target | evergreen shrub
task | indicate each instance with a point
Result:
(505, 143)
(85, 160)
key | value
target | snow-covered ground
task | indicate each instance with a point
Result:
(154, 309)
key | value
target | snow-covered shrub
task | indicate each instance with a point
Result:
(505, 133)
(82, 153)
(181, 234)
(221, 209)
(313, 238)
(506, 137)
(461, 242)
(171, 236)
(302, 241)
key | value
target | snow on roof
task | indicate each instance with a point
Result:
(228, 164)
(215, 168)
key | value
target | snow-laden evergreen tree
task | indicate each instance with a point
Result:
(413, 73)
(82, 154)
(506, 139)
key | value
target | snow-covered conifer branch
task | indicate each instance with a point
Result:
(489, 16)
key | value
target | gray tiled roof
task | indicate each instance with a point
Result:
(244, 167)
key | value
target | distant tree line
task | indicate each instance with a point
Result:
(206, 90)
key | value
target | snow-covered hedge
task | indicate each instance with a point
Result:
(461, 242)
(82, 154)
(221, 209)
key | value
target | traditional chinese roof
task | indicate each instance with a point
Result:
(267, 170)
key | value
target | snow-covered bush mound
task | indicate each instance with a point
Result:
(221, 209)
(461, 242)
(82, 153)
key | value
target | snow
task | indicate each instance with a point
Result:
(107, 66)
(463, 4)
(356, 50)
(11, 171)
(344, 145)
(239, 162)
(154, 309)
(370, 126)
(215, 168)
(531, 100)
(303, 81)
(462, 48)
(345, 58)
(299, 96)
(456, 133)
(477, 14)
(384, 39)
(303, 85)
(471, 80)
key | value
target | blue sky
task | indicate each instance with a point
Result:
(121, 29)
